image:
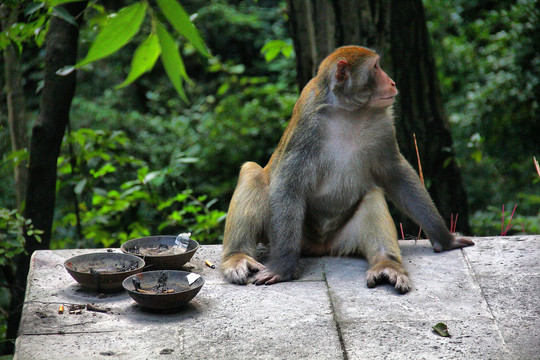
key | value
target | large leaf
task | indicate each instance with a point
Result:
(116, 33)
(179, 19)
(52, 3)
(63, 14)
(143, 60)
(172, 62)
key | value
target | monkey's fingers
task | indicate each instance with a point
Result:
(266, 277)
(456, 243)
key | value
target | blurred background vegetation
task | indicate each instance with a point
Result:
(139, 161)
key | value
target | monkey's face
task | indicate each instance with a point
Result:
(357, 80)
(383, 88)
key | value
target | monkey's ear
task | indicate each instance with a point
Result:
(342, 72)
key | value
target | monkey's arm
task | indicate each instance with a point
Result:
(287, 210)
(404, 188)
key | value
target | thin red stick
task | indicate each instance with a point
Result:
(536, 165)
(451, 223)
(455, 222)
(419, 163)
(419, 171)
(510, 221)
(402, 235)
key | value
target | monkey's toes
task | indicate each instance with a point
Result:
(398, 278)
(238, 269)
(236, 275)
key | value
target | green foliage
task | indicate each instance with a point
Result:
(122, 26)
(179, 19)
(143, 60)
(274, 47)
(490, 76)
(117, 31)
(172, 61)
(118, 198)
(12, 231)
(21, 33)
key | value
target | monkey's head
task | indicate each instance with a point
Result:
(355, 77)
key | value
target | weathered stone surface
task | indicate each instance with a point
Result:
(486, 294)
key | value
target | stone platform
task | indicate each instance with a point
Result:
(487, 295)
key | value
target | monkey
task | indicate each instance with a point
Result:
(323, 191)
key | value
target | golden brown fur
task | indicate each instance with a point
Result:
(323, 190)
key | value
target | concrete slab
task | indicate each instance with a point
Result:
(508, 272)
(505, 255)
(442, 288)
(487, 295)
(251, 319)
(415, 339)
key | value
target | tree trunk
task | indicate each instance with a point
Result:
(397, 31)
(421, 111)
(47, 134)
(17, 118)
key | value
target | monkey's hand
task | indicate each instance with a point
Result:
(456, 242)
(269, 277)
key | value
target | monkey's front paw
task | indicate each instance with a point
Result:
(388, 271)
(269, 277)
(239, 267)
(457, 242)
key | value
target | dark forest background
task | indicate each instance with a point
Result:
(140, 160)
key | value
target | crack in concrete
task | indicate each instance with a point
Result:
(336, 322)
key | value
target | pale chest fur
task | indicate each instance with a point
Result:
(345, 157)
(344, 169)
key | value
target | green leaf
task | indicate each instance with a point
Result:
(33, 7)
(150, 176)
(477, 156)
(116, 33)
(272, 49)
(66, 70)
(179, 19)
(80, 187)
(188, 160)
(105, 169)
(143, 60)
(53, 3)
(441, 329)
(172, 62)
(63, 14)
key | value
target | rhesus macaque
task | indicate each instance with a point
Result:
(323, 190)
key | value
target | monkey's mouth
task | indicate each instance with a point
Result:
(387, 98)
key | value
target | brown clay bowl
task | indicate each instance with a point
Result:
(159, 252)
(103, 271)
(175, 281)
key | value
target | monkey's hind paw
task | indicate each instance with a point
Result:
(238, 268)
(388, 271)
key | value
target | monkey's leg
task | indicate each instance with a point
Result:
(372, 233)
(245, 225)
